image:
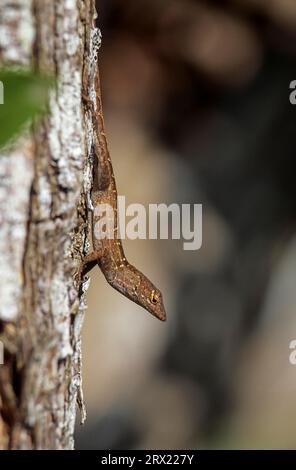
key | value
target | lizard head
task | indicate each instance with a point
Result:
(151, 300)
(137, 287)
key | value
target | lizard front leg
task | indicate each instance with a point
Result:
(88, 263)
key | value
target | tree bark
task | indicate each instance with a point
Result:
(45, 180)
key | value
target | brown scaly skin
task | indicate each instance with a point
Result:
(108, 253)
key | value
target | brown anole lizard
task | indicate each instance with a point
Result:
(108, 253)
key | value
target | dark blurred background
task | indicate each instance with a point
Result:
(196, 98)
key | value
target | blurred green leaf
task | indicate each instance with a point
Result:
(25, 98)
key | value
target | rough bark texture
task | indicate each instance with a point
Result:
(44, 188)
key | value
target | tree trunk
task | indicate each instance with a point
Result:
(45, 181)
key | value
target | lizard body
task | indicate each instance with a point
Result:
(108, 252)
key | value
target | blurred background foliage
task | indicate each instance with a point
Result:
(27, 94)
(196, 97)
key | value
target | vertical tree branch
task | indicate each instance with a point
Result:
(45, 180)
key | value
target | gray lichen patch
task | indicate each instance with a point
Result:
(16, 173)
(17, 31)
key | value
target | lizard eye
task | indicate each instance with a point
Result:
(153, 298)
